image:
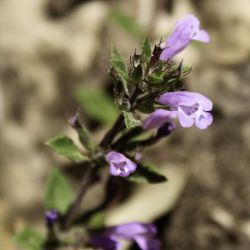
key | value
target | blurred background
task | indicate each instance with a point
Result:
(52, 51)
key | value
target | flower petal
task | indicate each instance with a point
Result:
(147, 243)
(113, 170)
(204, 120)
(202, 36)
(130, 230)
(180, 37)
(205, 102)
(158, 118)
(186, 29)
(105, 242)
(167, 53)
(185, 120)
(114, 156)
(119, 164)
(174, 99)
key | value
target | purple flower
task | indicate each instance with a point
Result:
(186, 30)
(191, 108)
(158, 118)
(143, 234)
(51, 216)
(119, 164)
(105, 242)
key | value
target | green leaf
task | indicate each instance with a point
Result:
(96, 221)
(147, 173)
(59, 194)
(127, 23)
(97, 104)
(28, 240)
(118, 63)
(130, 121)
(146, 49)
(63, 145)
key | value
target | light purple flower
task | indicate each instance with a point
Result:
(119, 164)
(186, 30)
(158, 118)
(191, 108)
(143, 234)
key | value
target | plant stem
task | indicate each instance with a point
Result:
(85, 182)
(108, 138)
(88, 179)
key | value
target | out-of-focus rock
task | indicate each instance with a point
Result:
(41, 60)
(231, 29)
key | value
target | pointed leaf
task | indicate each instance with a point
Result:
(28, 240)
(63, 145)
(117, 61)
(130, 121)
(147, 173)
(146, 49)
(97, 104)
(59, 194)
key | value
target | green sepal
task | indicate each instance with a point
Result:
(63, 145)
(59, 193)
(147, 173)
(137, 74)
(146, 49)
(146, 106)
(156, 79)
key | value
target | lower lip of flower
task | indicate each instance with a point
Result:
(190, 110)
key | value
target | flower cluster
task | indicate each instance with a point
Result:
(189, 107)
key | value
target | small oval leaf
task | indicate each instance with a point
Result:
(63, 145)
(59, 194)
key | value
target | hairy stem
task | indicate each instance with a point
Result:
(111, 134)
